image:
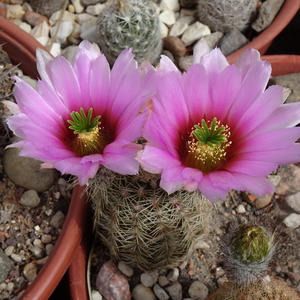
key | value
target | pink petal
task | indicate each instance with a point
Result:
(260, 110)
(199, 50)
(255, 185)
(154, 160)
(43, 58)
(224, 180)
(250, 89)
(248, 57)
(64, 80)
(166, 65)
(214, 62)
(171, 179)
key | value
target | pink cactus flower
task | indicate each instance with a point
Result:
(216, 127)
(82, 115)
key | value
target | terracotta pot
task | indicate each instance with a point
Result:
(281, 65)
(20, 46)
(263, 41)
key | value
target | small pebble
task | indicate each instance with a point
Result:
(30, 199)
(163, 281)
(292, 220)
(198, 290)
(46, 238)
(15, 257)
(174, 45)
(140, 292)
(30, 271)
(175, 291)
(160, 292)
(173, 275)
(96, 295)
(148, 279)
(57, 220)
(241, 209)
(125, 269)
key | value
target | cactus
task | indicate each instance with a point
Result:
(247, 250)
(224, 15)
(46, 7)
(141, 224)
(125, 24)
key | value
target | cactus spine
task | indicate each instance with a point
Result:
(125, 24)
(247, 250)
(141, 224)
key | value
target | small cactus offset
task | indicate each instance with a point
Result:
(247, 251)
(224, 15)
(141, 224)
(125, 24)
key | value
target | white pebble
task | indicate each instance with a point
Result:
(292, 220)
(3, 286)
(164, 30)
(10, 286)
(293, 201)
(40, 30)
(194, 32)
(89, 30)
(167, 17)
(25, 26)
(15, 257)
(148, 279)
(67, 16)
(96, 295)
(125, 269)
(173, 275)
(241, 209)
(82, 18)
(169, 5)
(78, 7)
(140, 292)
(15, 11)
(61, 31)
(181, 25)
(95, 10)
(9, 250)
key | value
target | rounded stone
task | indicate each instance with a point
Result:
(30, 199)
(27, 172)
(30, 271)
(141, 292)
(198, 290)
(125, 269)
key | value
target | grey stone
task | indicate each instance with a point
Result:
(30, 199)
(292, 220)
(293, 201)
(163, 280)
(173, 275)
(160, 292)
(5, 265)
(266, 14)
(91, 2)
(57, 220)
(125, 269)
(175, 291)
(26, 172)
(198, 291)
(141, 292)
(148, 279)
(291, 82)
(232, 41)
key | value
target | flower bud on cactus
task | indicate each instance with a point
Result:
(247, 250)
(141, 224)
(224, 15)
(125, 24)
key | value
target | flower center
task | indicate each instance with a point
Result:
(206, 149)
(89, 137)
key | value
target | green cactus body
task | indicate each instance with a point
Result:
(144, 226)
(224, 15)
(125, 24)
(247, 251)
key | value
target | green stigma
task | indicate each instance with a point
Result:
(88, 137)
(207, 145)
(251, 243)
(211, 136)
(83, 123)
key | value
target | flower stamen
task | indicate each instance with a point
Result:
(89, 137)
(206, 149)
